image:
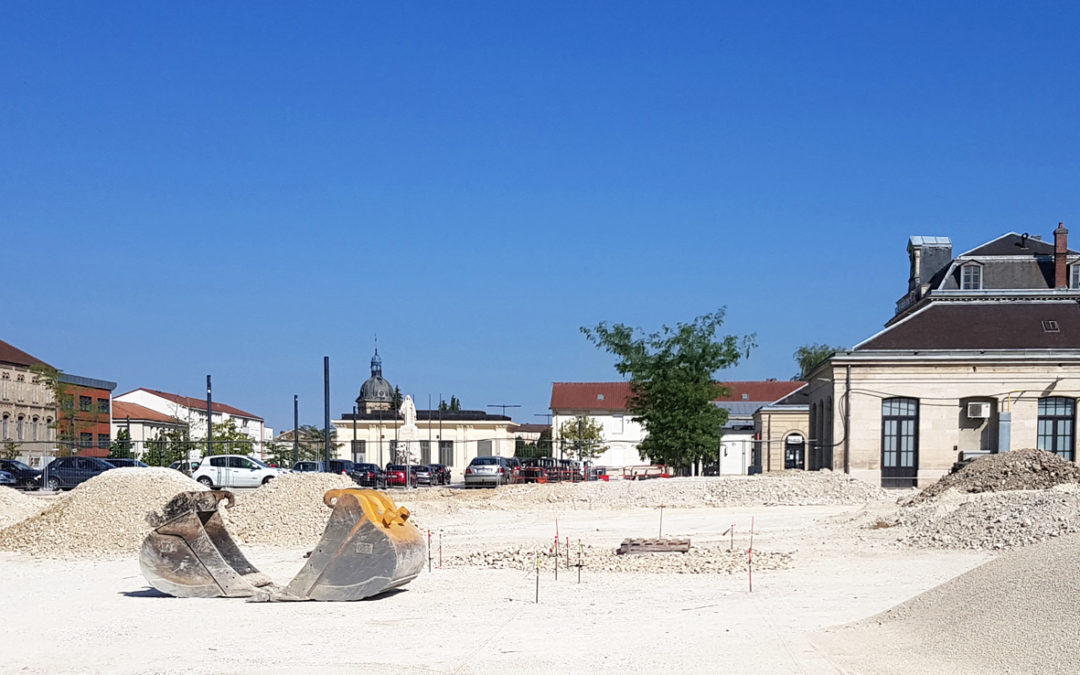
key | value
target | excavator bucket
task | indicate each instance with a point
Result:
(368, 547)
(191, 555)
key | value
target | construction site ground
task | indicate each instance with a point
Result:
(99, 615)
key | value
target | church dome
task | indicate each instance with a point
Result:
(376, 389)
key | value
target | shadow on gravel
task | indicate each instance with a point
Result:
(145, 593)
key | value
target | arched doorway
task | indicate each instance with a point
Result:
(795, 452)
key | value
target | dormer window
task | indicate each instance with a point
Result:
(1074, 275)
(971, 277)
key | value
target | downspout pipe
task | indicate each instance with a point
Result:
(847, 419)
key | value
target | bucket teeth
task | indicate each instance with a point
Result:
(368, 547)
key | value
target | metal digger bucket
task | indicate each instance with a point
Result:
(191, 555)
(368, 547)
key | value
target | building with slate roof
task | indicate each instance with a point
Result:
(981, 356)
(450, 437)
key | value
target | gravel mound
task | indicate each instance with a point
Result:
(1016, 470)
(991, 521)
(798, 488)
(288, 511)
(104, 517)
(1017, 613)
(15, 506)
(698, 560)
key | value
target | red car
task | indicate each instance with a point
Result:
(395, 475)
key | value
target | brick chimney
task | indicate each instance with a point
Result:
(1061, 250)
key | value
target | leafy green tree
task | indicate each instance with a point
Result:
(170, 445)
(67, 418)
(10, 450)
(582, 438)
(309, 446)
(228, 440)
(121, 447)
(396, 399)
(672, 384)
(811, 356)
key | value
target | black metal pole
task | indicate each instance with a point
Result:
(355, 412)
(296, 428)
(326, 408)
(209, 418)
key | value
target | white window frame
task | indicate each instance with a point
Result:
(976, 270)
(1074, 276)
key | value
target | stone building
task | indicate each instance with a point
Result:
(27, 409)
(981, 356)
(376, 433)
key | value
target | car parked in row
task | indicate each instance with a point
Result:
(369, 475)
(7, 480)
(493, 471)
(126, 463)
(396, 473)
(440, 474)
(26, 477)
(187, 465)
(64, 473)
(218, 471)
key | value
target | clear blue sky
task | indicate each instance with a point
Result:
(241, 188)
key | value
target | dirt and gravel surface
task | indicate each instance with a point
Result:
(1028, 469)
(16, 506)
(822, 558)
(1015, 614)
(103, 517)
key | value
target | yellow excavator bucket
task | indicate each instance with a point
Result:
(368, 547)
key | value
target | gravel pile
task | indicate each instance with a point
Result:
(288, 511)
(1017, 613)
(1017, 470)
(698, 560)
(103, 517)
(15, 506)
(991, 521)
(797, 488)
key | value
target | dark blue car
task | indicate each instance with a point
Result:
(64, 473)
(26, 477)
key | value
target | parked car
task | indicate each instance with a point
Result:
(440, 474)
(308, 466)
(234, 471)
(369, 475)
(26, 477)
(192, 464)
(423, 474)
(64, 473)
(493, 471)
(395, 475)
(8, 480)
(123, 463)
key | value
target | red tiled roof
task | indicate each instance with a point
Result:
(12, 354)
(589, 395)
(197, 404)
(615, 395)
(122, 411)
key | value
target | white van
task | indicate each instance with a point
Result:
(233, 471)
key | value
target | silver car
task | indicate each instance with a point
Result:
(493, 471)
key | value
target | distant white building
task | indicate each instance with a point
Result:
(607, 403)
(175, 409)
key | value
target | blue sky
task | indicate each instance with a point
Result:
(241, 189)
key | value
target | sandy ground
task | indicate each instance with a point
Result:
(102, 617)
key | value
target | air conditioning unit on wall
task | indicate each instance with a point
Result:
(978, 411)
